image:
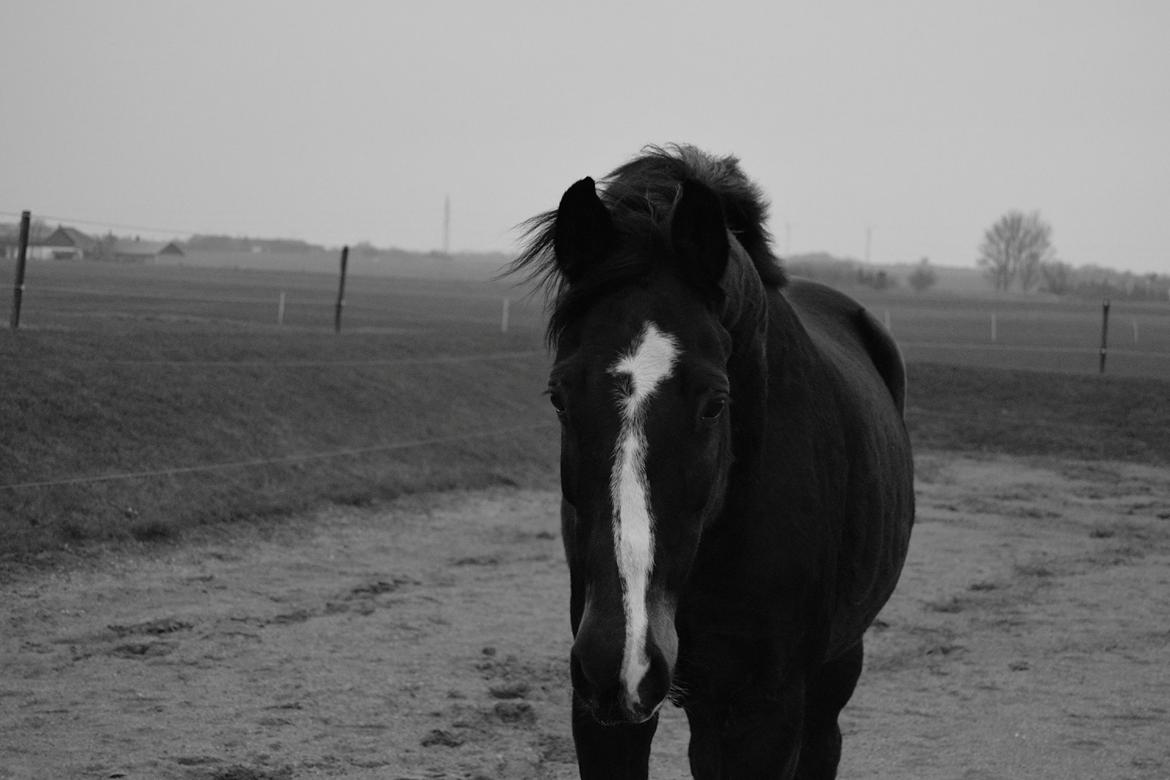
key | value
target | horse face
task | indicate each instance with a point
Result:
(641, 389)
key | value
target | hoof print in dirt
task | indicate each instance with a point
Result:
(510, 690)
(441, 738)
(516, 713)
(153, 627)
(143, 650)
(380, 587)
(246, 773)
(477, 560)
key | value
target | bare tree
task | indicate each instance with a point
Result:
(1015, 248)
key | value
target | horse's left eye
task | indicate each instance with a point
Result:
(713, 409)
(557, 401)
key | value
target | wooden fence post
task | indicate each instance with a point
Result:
(280, 309)
(341, 290)
(21, 257)
(504, 317)
(1104, 334)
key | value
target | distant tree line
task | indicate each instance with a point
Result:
(219, 243)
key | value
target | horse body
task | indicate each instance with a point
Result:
(736, 476)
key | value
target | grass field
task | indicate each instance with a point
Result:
(138, 401)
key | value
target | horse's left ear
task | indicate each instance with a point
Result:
(698, 234)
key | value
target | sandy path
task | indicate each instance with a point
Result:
(427, 639)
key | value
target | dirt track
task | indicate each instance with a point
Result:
(427, 639)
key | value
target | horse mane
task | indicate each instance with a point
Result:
(640, 196)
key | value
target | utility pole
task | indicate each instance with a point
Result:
(446, 224)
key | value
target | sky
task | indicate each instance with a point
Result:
(902, 129)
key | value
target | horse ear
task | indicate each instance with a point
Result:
(698, 234)
(584, 230)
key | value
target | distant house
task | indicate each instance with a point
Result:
(64, 243)
(138, 251)
(9, 240)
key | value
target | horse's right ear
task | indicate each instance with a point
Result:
(584, 230)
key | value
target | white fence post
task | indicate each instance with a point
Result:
(280, 309)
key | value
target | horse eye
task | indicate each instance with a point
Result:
(558, 403)
(713, 409)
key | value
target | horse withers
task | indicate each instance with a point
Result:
(737, 483)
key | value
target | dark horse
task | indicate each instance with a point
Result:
(736, 475)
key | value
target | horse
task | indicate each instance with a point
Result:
(735, 471)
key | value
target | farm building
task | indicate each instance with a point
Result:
(9, 240)
(64, 243)
(138, 251)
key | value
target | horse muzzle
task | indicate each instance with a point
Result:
(622, 681)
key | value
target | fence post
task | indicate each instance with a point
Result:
(1135, 330)
(341, 290)
(1104, 334)
(280, 309)
(21, 257)
(504, 316)
(993, 334)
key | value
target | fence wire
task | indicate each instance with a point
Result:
(283, 460)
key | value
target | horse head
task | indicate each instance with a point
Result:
(659, 333)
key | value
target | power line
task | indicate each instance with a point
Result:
(112, 225)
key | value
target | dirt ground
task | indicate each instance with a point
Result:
(1029, 638)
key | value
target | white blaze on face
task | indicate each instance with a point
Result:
(648, 364)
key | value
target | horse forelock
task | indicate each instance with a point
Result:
(640, 197)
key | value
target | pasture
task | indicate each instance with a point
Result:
(232, 548)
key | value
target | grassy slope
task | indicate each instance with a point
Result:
(64, 420)
(62, 417)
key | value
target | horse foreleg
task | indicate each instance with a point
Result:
(829, 691)
(748, 739)
(621, 752)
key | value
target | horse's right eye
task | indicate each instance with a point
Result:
(713, 409)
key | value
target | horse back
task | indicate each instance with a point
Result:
(839, 319)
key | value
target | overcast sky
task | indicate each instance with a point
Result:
(339, 122)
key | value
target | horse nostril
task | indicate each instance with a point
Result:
(655, 685)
